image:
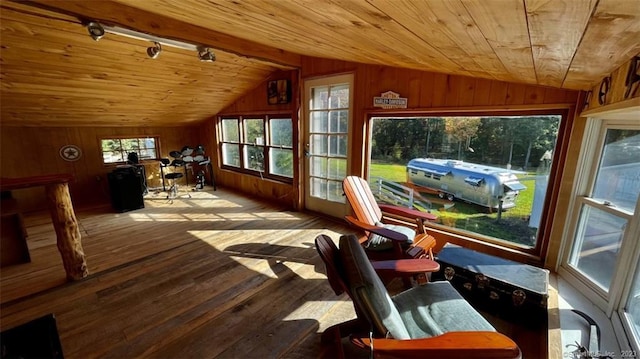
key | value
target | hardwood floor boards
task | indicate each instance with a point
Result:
(216, 275)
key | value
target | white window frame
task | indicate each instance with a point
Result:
(611, 302)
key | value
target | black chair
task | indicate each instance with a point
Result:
(173, 177)
(164, 163)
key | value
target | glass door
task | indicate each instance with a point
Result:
(327, 122)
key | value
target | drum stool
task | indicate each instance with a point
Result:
(173, 190)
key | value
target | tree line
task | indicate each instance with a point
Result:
(519, 142)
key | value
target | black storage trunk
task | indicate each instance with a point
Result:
(510, 290)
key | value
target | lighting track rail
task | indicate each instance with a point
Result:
(97, 31)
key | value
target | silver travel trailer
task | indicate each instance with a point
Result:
(474, 183)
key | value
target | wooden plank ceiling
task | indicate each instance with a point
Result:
(55, 74)
(560, 43)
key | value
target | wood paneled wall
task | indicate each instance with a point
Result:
(255, 102)
(426, 91)
(32, 151)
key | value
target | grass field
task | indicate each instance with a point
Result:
(513, 225)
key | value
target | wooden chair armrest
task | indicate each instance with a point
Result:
(448, 345)
(384, 232)
(406, 266)
(407, 212)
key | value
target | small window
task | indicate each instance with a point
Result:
(117, 150)
(474, 181)
(230, 142)
(253, 144)
(281, 147)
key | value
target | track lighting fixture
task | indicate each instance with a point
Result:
(154, 51)
(206, 55)
(96, 31)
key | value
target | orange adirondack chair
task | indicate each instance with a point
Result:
(386, 240)
(412, 324)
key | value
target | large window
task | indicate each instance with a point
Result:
(116, 150)
(484, 177)
(603, 246)
(260, 145)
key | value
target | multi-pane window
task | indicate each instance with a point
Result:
(261, 145)
(115, 150)
(606, 209)
(631, 309)
(603, 247)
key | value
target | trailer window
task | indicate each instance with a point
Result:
(474, 181)
(484, 177)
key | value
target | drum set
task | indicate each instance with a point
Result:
(188, 158)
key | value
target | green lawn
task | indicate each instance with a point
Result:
(512, 227)
(391, 172)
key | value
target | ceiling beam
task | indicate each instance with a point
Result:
(114, 13)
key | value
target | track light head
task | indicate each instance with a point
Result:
(154, 51)
(206, 55)
(96, 31)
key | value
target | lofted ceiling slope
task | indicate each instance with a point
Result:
(569, 44)
(55, 74)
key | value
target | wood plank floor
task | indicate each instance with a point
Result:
(215, 275)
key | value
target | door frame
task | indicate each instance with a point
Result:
(315, 204)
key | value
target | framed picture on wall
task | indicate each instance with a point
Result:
(278, 92)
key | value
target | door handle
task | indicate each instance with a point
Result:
(307, 152)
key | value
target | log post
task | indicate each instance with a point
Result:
(67, 231)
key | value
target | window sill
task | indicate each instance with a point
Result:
(566, 327)
(264, 177)
(444, 235)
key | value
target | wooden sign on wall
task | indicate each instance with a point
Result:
(390, 99)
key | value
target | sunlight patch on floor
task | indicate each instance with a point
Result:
(237, 216)
(303, 311)
(240, 216)
(147, 217)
